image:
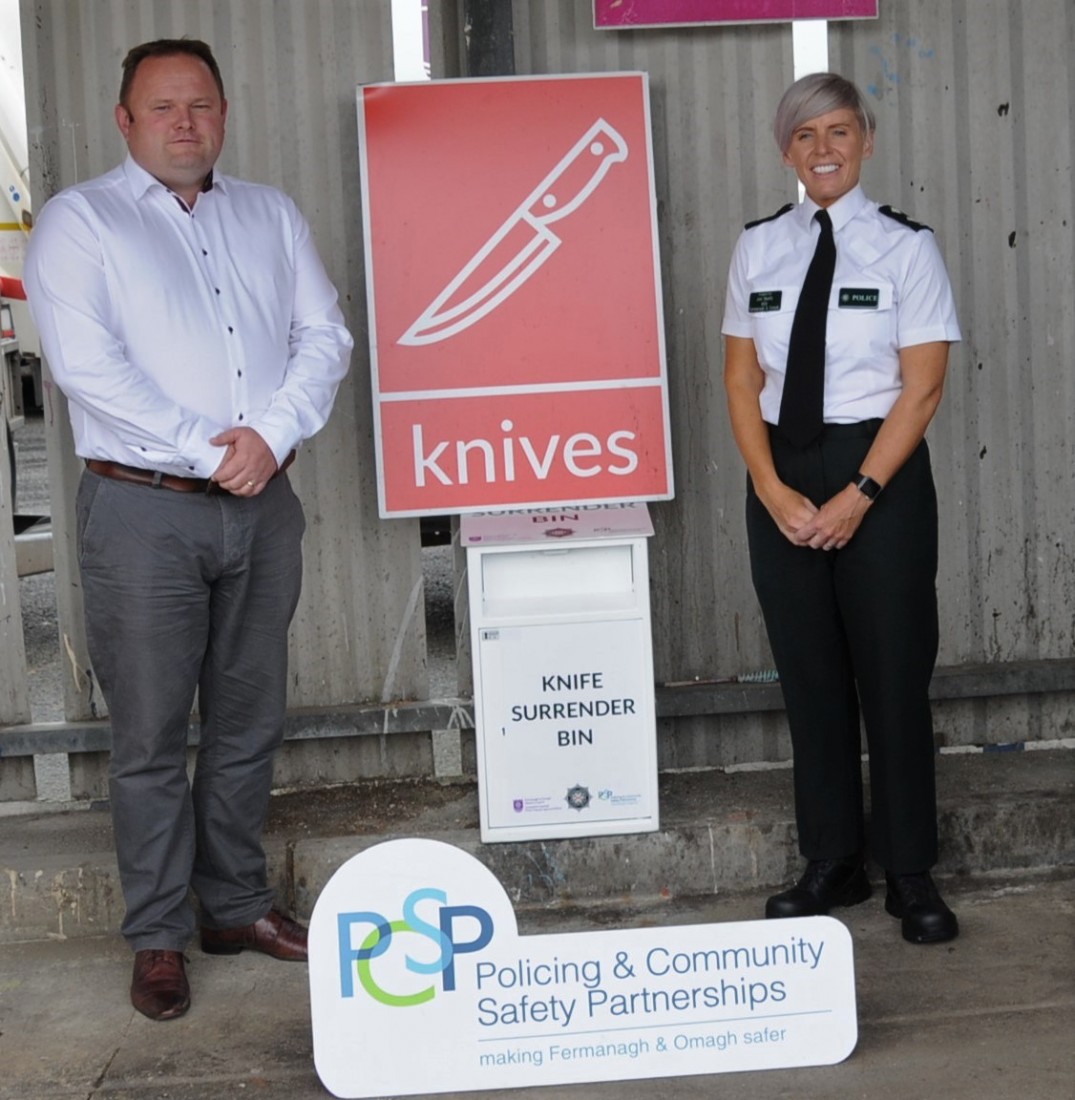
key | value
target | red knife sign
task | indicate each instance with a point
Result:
(513, 282)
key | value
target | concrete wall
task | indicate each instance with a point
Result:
(976, 116)
(290, 71)
(976, 131)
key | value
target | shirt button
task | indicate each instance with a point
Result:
(217, 289)
(230, 329)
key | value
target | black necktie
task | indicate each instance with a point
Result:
(802, 403)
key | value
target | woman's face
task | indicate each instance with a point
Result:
(827, 154)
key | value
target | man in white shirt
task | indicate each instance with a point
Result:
(188, 319)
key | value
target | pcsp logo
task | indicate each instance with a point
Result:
(358, 959)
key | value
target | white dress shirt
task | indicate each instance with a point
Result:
(164, 327)
(890, 290)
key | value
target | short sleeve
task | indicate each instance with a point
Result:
(927, 310)
(737, 319)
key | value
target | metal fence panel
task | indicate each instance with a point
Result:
(290, 71)
(976, 130)
(976, 113)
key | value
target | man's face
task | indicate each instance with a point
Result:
(174, 121)
(827, 154)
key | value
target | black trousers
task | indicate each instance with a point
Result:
(850, 629)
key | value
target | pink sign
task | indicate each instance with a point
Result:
(514, 291)
(625, 14)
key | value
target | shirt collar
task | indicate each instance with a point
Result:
(141, 181)
(841, 212)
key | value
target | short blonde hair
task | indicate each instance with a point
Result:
(815, 95)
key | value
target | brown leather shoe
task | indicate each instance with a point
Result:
(274, 935)
(159, 987)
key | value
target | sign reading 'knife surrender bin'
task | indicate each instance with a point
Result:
(514, 293)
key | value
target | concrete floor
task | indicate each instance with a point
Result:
(986, 1017)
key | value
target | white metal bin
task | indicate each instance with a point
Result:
(563, 671)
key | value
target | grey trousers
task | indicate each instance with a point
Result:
(188, 592)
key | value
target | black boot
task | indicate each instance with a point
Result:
(825, 884)
(915, 900)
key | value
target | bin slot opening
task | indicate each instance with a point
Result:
(579, 572)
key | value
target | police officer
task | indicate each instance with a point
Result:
(837, 325)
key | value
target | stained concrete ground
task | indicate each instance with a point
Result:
(986, 1017)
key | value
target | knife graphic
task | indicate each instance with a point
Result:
(524, 242)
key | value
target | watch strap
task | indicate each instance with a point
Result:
(869, 488)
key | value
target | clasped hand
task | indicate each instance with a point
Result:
(829, 527)
(248, 464)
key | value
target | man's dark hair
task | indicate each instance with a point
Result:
(167, 47)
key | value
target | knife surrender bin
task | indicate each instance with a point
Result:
(563, 671)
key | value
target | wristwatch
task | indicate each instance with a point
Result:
(869, 488)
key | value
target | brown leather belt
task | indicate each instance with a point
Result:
(156, 480)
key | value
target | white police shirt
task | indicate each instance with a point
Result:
(890, 290)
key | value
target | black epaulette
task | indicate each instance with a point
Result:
(901, 217)
(772, 217)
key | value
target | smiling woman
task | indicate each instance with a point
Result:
(838, 318)
(827, 154)
(824, 135)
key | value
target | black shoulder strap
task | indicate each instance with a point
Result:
(772, 217)
(901, 217)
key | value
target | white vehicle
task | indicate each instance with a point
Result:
(20, 376)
